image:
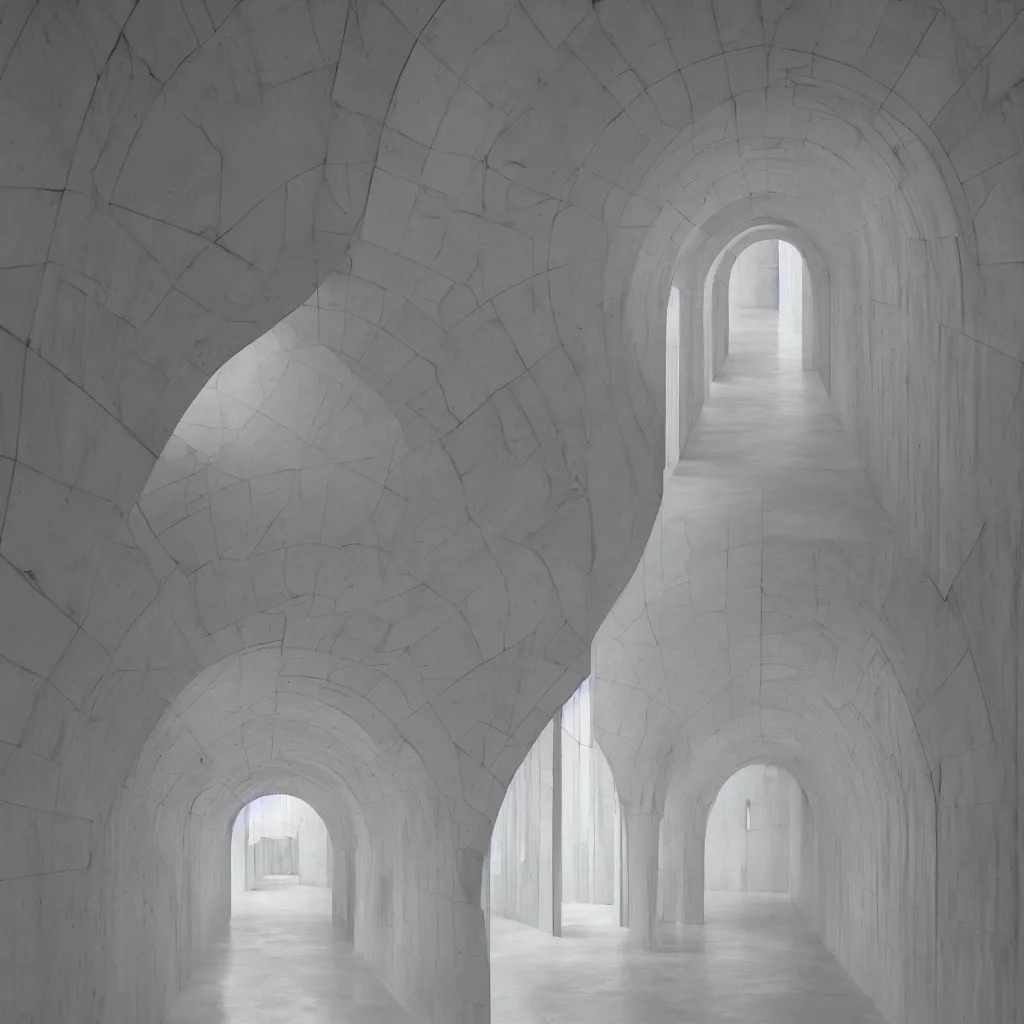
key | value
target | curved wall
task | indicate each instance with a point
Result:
(677, 678)
(477, 207)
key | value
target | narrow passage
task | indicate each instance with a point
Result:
(768, 435)
(282, 965)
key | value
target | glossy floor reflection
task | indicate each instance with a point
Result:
(282, 965)
(752, 962)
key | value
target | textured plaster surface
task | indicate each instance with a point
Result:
(367, 565)
(774, 619)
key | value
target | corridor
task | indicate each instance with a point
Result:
(769, 434)
(767, 439)
(282, 965)
(753, 961)
(380, 429)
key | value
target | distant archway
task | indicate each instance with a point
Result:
(557, 836)
(279, 840)
(755, 832)
(815, 320)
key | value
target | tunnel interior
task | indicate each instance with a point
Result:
(369, 380)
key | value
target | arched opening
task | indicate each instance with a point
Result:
(766, 296)
(554, 862)
(759, 842)
(280, 846)
(769, 283)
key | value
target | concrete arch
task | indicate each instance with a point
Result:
(690, 818)
(816, 302)
(344, 881)
(537, 791)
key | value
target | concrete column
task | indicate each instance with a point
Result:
(250, 854)
(621, 874)
(617, 845)
(808, 321)
(343, 893)
(556, 823)
(238, 841)
(551, 827)
(642, 827)
(693, 878)
(718, 314)
(485, 900)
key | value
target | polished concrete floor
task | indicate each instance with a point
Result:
(752, 962)
(282, 965)
(768, 433)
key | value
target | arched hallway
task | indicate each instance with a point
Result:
(282, 962)
(344, 345)
(769, 589)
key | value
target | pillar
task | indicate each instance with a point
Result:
(343, 893)
(693, 878)
(618, 859)
(642, 829)
(550, 866)
(556, 823)
(250, 854)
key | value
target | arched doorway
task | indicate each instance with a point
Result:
(793, 287)
(760, 838)
(766, 287)
(280, 846)
(773, 276)
(554, 865)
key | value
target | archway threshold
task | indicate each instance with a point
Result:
(281, 962)
(753, 960)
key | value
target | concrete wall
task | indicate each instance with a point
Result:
(754, 282)
(672, 326)
(316, 859)
(520, 855)
(803, 855)
(791, 289)
(524, 880)
(750, 858)
(588, 808)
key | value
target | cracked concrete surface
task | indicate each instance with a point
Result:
(367, 565)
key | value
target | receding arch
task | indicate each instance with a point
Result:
(563, 795)
(817, 318)
(307, 855)
(347, 833)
